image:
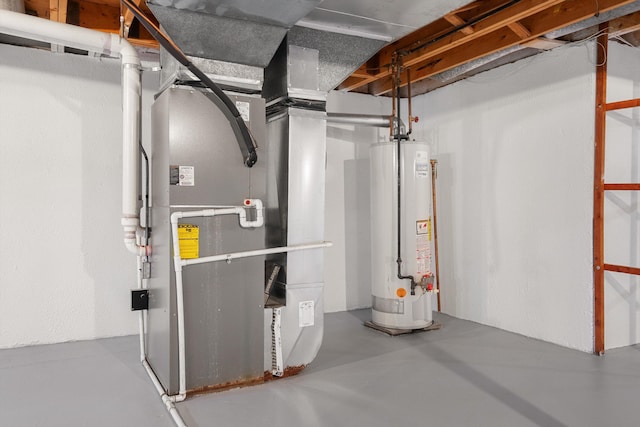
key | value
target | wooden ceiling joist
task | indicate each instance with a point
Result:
(520, 30)
(58, 10)
(454, 19)
(426, 43)
(524, 22)
(624, 25)
(127, 19)
(100, 15)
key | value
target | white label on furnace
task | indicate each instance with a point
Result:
(187, 175)
(422, 164)
(243, 109)
(306, 313)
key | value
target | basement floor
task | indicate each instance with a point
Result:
(464, 374)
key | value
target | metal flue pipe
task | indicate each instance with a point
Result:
(360, 119)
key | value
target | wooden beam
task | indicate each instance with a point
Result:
(567, 13)
(474, 49)
(543, 43)
(550, 19)
(620, 105)
(128, 18)
(515, 13)
(354, 82)
(100, 17)
(622, 187)
(598, 191)
(624, 25)
(58, 13)
(622, 269)
(468, 43)
(58, 10)
(361, 72)
(456, 21)
(519, 29)
(425, 34)
(41, 8)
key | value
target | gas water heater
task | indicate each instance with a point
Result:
(404, 248)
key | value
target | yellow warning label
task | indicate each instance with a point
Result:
(188, 236)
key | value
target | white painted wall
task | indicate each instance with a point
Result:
(347, 264)
(622, 215)
(515, 180)
(64, 272)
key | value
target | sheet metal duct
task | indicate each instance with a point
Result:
(345, 33)
(339, 55)
(243, 32)
(377, 19)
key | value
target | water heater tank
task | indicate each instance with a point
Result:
(393, 305)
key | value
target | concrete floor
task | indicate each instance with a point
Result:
(462, 375)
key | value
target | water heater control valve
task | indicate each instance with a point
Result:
(426, 282)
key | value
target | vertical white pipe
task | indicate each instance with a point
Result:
(141, 328)
(31, 27)
(182, 370)
(131, 104)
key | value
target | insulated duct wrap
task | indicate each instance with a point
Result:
(243, 32)
(339, 54)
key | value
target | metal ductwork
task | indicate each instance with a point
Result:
(234, 40)
(238, 31)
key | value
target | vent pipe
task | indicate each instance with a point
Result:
(30, 27)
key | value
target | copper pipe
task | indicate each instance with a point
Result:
(598, 190)
(434, 176)
(393, 107)
(409, 101)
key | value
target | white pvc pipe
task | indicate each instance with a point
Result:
(228, 210)
(141, 328)
(236, 255)
(31, 27)
(182, 370)
(168, 402)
